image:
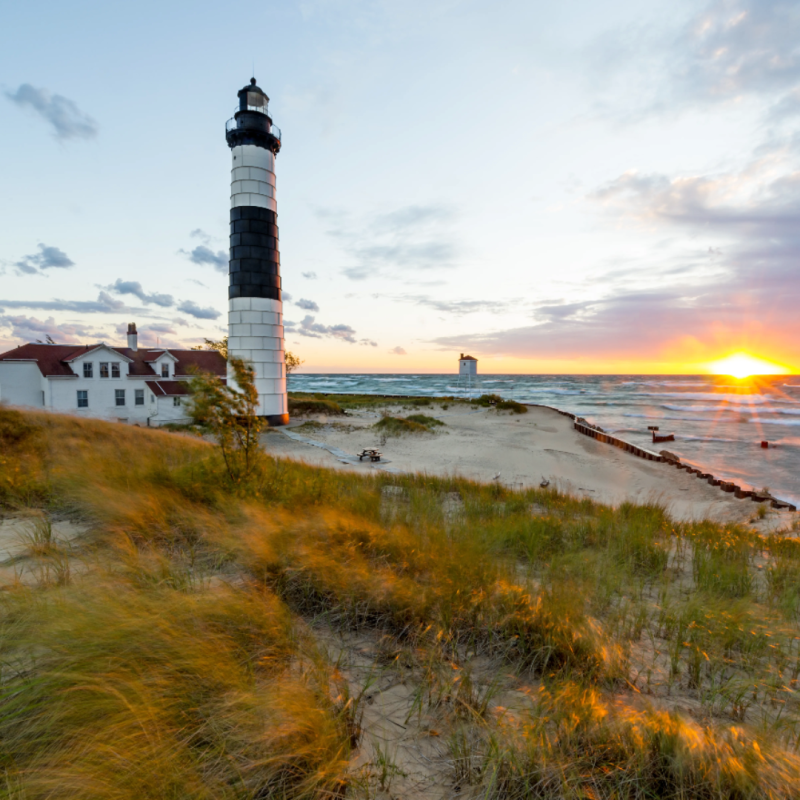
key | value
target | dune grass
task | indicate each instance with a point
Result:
(364, 401)
(299, 407)
(500, 404)
(178, 656)
(414, 423)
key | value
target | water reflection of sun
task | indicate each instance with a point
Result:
(742, 365)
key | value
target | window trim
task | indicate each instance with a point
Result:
(138, 397)
(104, 368)
(176, 401)
(88, 369)
(119, 394)
(165, 369)
(83, 402)
(115, 370)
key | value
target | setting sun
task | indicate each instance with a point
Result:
(742, 365)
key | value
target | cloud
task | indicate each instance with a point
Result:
(109, 303)
(104, 304)
(135, 288)
(412, 217)
(151, 335)
(68, 121)
(48, 257)
(188, 307)
(287, 298)
(732, 271)
(725, 52)
(368, 342)
(199, 233)
(398, 351)
(389, 244)
(315, 330)
(627, 325)
(460, 307)
(32, 329)
(787, 107)
(307, 305)
(312, 276)
(738, 47)
(204, 255)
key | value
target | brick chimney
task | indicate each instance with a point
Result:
(133, 338)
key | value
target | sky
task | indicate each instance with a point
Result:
(573, 187)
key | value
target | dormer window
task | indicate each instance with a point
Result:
(165, 370)
(115, 369)
(88, 371)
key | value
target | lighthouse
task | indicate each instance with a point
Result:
(255, 309)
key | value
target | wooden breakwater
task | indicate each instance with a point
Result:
(726, 486)
(602, 436)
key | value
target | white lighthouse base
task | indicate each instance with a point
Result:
(255, 334)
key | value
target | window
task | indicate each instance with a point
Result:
(115, 369)
(83, 399)
(165, 370)
(104, 369)
(87, 369)
(176, 401)
(138, 395)
(119, 397)
(152, 398)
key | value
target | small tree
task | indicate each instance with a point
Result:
(292, 362)
(220, 346)
(231, 416)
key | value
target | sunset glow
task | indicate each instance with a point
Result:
(742, 365)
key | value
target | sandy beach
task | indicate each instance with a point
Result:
(518, 450)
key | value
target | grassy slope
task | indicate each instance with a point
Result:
(175, 657)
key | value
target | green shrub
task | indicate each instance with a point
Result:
(487, 400)
(299, 408)
(423, 419)
(397, 426)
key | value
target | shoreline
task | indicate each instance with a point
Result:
(480, 443)
(596, 432)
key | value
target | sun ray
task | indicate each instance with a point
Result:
(743, 365)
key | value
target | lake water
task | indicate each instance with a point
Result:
(718, 421)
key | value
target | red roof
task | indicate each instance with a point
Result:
(171, 388)
(51, 359)
(467, 358)
(204, 360)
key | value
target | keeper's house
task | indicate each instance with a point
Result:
(147, 387)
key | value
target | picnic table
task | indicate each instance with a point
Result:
(372, 454)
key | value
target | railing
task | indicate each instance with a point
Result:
(232, 124)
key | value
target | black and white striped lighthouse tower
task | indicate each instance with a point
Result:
(255, 309)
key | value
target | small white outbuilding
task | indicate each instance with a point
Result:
(467, 366)
(468, 374)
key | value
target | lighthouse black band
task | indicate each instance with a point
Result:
(255, 259)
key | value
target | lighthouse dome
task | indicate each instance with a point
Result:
(253, 98)
(252, 123)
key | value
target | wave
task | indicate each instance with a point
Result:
(750, 399)
(653, 418)
(709, 439)
(706, 409)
